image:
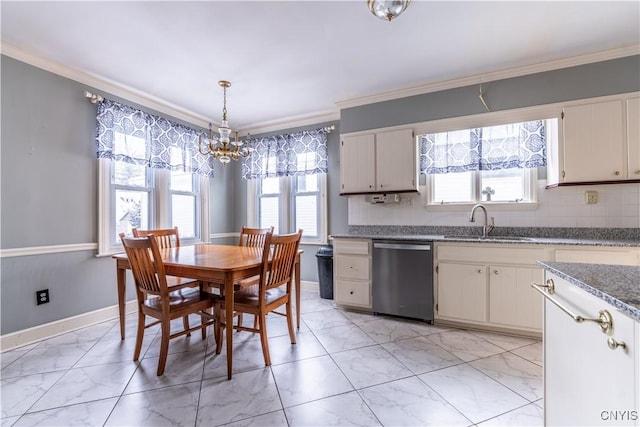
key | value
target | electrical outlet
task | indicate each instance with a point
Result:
(42, 297)
(591, 197)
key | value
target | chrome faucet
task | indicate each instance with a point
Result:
(487, 228)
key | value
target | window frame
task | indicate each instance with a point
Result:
(286, 207)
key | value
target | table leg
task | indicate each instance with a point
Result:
(297, 273)
(228, 308)
(121, 275)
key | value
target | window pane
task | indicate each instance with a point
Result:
(504, 185)
(270, 185)
(131, 210)
(307, 183)
(307, 214)
(453, 187)
(183, 214)
(269, 215)
(130, 175)
(181, 181)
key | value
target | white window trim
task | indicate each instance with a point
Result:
(162, 213)
(252, 208)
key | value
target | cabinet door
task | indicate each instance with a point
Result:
(462, 291)
(396, 161)
(594, 142)
(512, 300)
(633, 137)
(585, 382)
(357, 164)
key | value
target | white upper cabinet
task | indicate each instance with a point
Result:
(600, 142)
(379, 162)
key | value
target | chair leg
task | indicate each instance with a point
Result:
(292, 335)
(217, 329)
(139, 334)
(164, 345)
(263, 338)
(185, 324)
(203, 320)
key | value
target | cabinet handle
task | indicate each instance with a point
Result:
(617, 173)
(604, 318)
(613, 344)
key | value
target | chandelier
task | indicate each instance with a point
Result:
(387, 9)
(221, 147)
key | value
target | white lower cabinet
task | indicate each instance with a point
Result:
(512, 300)
(352, 273)
(587, 382)
(463, 293)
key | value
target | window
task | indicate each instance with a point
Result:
(139, 185)
(287, 182)
(492, 164)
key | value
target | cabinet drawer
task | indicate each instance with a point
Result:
(622, 257)
(353, 247)
(352, 267)
(352, 293)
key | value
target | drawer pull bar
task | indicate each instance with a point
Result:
(604, 318)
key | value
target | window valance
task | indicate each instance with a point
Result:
(295, 154)
(517, 145)
(127, 134)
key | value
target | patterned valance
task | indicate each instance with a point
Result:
(517, 145)
(156, 142)
(295, 154)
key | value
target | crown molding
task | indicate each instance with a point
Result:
(104, 84)
(572, 61)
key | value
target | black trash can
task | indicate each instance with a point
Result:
(325, 271)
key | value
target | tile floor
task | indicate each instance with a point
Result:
(346, 369)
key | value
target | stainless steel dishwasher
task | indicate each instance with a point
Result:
(402, 282)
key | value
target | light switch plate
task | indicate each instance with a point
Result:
(591, 197)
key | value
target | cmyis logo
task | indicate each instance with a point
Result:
(619, 415)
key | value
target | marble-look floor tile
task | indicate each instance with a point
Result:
(346, 409)
(83, 414)
(8, 357)
(464, 345)
(170, 406)
(9, 421)
(473, 393)
(540, 403)
(307, 346)
(424, 329)
(80, 385)
(247, 395)
(421, 355)
(19, 393)
(369, 366)
(342, 338)
(310, 379)
(533, 353)
(85, 335)
(247, 356)
(308, 305)
(325, 319)
(357, 317)
(529, 415)
(410, 402)
(193, 343)
(272, 419)
(386, 330)
(112, 351)
(131, 329)
(506, 342)
(520, 375)
(46, 359)
(181, 368)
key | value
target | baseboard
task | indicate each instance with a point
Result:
(62, 326)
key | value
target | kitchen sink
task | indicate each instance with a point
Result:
(490, 238)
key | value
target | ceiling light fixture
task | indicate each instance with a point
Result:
(387, 9)
(221, 147)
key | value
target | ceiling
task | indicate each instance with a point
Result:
(291, 61)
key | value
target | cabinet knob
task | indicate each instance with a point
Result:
(496, 272)
(637, 172)
(617, 173)
(351, 292)
(613, 344)
(371, 186)
(479, 270)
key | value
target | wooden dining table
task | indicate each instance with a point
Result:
(224, 264)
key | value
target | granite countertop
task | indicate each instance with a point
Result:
(618, 285)
(514, 235)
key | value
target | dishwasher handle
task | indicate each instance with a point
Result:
(402, 246)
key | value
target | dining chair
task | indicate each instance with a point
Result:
(157, 300)
(273, 291)
(169, 238)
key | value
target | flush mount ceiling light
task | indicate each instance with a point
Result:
(387, 9)
(221, 147)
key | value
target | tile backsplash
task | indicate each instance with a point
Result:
(618, 206)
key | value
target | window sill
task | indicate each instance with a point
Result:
(496, 206)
